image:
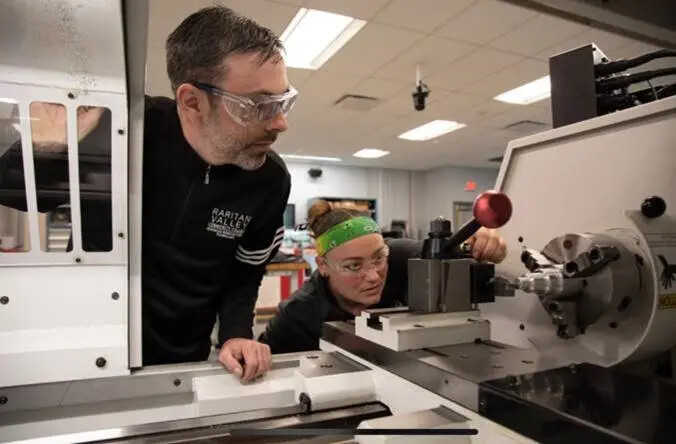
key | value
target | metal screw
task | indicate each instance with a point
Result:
(4, 300)
(101, 362)
(115, 295)
(3, 400)
(120, 131)
(71, 95)
(520, 239)
(78, 260)
(177, 382)
(120, 235)
(522, 327)
(624, 303)
(305, 402)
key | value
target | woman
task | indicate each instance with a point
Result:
(356, 269)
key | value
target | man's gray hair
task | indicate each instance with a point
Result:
(198, 47)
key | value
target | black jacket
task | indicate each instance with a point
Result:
(298, 325)
(205, 245)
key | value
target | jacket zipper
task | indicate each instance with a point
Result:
(206, 175)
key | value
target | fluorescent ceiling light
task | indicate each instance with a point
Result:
(370, 153)
(7, 100)
(313, 37)
(530, 92)
(431, 130)
(297, 157)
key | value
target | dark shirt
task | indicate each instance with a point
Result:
(298, 325)
(205, 242)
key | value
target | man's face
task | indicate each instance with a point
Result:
(245, 145)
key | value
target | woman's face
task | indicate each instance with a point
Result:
(356, 271)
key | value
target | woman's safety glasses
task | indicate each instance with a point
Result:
(245, 110)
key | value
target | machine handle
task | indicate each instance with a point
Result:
(492, 209)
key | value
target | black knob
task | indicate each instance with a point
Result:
(653, 207)
(440, 227)
(101, 362)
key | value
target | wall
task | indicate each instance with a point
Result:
(391, 188)
(414, 196)
(434, 192)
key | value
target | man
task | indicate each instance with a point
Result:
(213, 191)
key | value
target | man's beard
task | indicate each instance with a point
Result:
(229, 149)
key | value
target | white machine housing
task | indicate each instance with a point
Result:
(60, 316)
(592, 177)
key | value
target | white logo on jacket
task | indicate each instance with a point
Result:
(228, 223)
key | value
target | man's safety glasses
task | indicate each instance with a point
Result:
(245, 110)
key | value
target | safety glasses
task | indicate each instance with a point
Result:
(245, 110)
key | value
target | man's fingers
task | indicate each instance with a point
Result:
(265, 359)
(230, 361)
(250, 363)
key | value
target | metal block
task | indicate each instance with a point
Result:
(424, 285)
(456, 288)
(413, 331)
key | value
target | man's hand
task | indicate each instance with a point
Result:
(245, 358)
(48, 125)
(487, 245)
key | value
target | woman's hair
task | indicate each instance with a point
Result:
(321, 216)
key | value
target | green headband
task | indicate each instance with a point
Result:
(344, 232)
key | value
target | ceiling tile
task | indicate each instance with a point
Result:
(275, 16)
(606, 41)
(422, 16)
(476, 114)
(485, 21)
(166, 15)
(537, 35)
(354, 8)
(515, 115)
(515, 75)
(476, 66)
(633, 49)
(372, 47)
(290, 2)
(431, 53)
(454, 102)
(378, 88)
(298, 76)
(324, 88)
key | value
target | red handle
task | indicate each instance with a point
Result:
(492, 209)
